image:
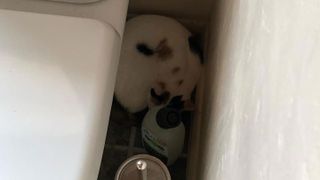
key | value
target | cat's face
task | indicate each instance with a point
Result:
(167, 85)
(172, 77)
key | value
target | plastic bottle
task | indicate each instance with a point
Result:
(163, 133)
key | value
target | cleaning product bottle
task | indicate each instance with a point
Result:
(163, 133)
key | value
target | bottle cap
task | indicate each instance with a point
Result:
(143, 167)
(168, 118)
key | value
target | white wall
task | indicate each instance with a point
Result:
(261, 105)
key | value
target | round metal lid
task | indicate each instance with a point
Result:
(143, 167)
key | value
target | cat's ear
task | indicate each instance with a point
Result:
(196, 46)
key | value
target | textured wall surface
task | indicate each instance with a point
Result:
(262, 97)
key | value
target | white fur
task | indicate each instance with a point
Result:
(138, 73)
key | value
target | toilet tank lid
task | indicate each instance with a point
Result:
(112, 12)
(57, 77)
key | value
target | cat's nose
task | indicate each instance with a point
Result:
(159, 99)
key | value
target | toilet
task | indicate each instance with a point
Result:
(57, 77)
(257, 104)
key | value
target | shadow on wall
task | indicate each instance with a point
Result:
(185, 9)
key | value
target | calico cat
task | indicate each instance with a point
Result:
(159, 61)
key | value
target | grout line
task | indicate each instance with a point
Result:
(131, 141)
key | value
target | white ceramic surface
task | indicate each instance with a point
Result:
(262, 97)
(57, 77)
(112, 12)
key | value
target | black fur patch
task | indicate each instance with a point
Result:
(195, 46)
(159, 99)
(176, 103)
(144, 49)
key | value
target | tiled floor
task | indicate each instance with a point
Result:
(124, 140)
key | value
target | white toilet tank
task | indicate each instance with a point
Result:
(57, 77)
